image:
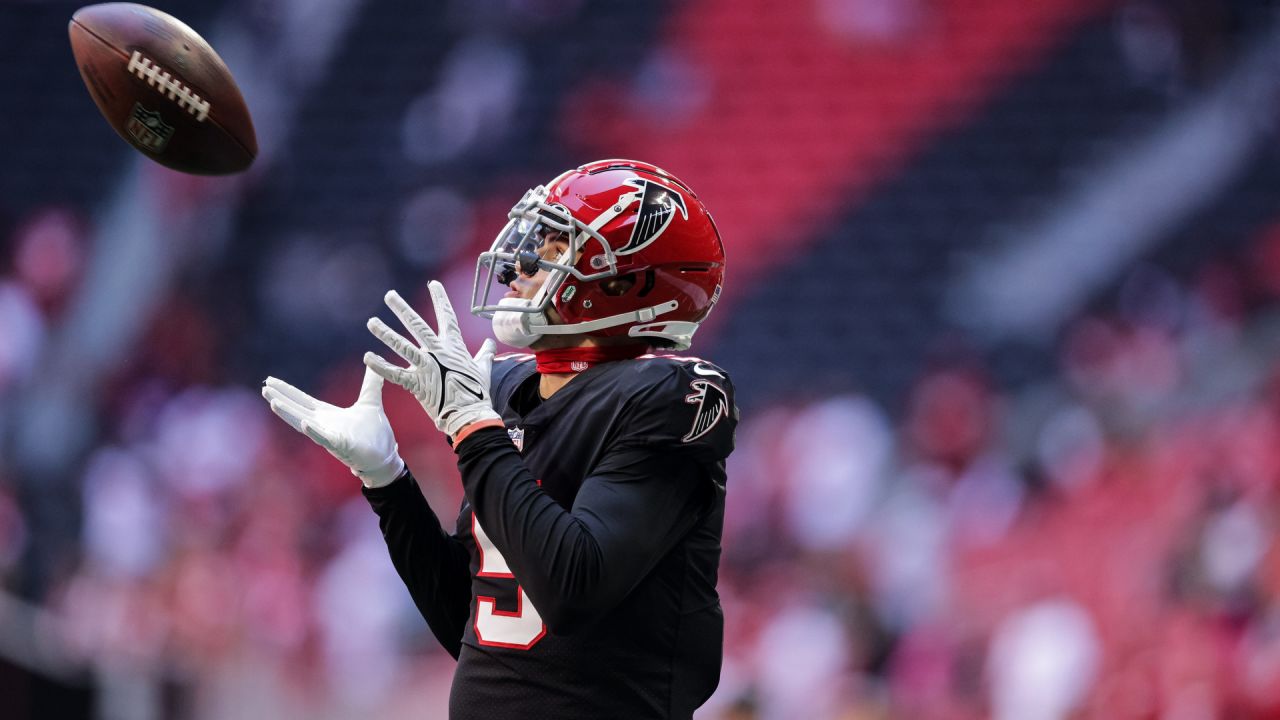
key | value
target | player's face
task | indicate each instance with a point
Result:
(526, 286)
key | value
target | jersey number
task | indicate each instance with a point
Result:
(521, 629)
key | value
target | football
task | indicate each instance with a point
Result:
(163, 88)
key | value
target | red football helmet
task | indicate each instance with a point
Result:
(644, 258)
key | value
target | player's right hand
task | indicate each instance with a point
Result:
(360, 436)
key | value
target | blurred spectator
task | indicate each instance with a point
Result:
(49, 256)
(840, 451)
(23, 328)
(124, 528)
(1043, 662)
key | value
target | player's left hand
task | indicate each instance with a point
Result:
(452, 386)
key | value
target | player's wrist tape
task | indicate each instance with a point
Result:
(468, 429)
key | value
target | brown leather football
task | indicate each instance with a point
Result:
(162, 88)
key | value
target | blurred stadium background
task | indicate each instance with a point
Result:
(1003, 306)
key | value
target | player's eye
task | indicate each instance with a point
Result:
(528, 245)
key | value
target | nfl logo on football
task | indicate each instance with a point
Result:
(148, 130)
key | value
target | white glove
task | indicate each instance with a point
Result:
(360, 436)
(452, 386)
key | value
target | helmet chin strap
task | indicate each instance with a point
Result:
(643, 315)
(522, 329)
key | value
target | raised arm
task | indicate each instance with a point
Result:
(432, 563)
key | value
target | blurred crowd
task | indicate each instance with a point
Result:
(1103, 545)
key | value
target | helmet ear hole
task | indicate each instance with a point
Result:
(650, 277)
(620, 285)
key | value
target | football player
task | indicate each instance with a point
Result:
(579, 580)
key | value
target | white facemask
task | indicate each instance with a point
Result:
(515, 329)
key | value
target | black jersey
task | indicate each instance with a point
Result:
(580, 579)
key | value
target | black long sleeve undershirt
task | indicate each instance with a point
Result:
(578, 565)
(432, 563)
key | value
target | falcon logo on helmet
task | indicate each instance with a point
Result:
(658, 205)
(604, 217)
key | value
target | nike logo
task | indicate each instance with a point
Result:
(461, 380)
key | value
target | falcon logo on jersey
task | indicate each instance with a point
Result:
(658, 205)
(713, 404)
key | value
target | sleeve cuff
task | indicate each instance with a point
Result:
(372, 491)
(385, 475)
(465, 432)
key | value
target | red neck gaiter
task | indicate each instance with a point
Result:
(577, 359)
